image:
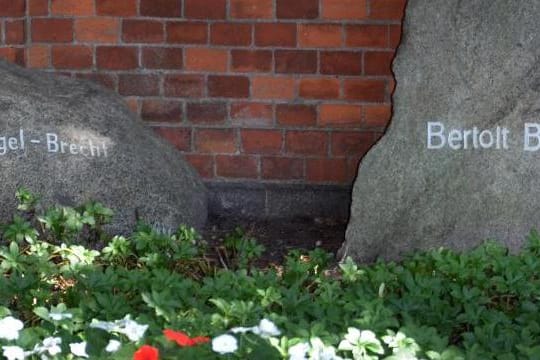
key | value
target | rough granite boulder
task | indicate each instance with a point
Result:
(460, 162)
(72, 141)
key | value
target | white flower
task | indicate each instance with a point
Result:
(60, 316)
(10, 327)
(298, 351)
(266, 328)
(242, 330)
(79, 349)
(113, 346)
(224, 344)
(361, 342)
(133, 330)
(51, 345)
(103, 325)
(13, 352)
(319, 351)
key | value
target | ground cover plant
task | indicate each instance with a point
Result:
(70, 291)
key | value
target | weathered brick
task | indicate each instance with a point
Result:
(184, 86)
(205, 9)
(160, 8)
(275, 34)
(183, 32)
(107, 80)
(133, 104)
(35, 7)
(378, 62)
(72, 57)
(251, 114)
(254, 9)
(319, 88)
(97, 30)
(387, 9)
(13, 55)
(161, 110)
(142, 31)
(251, 60)
(207, 113)
(269, 87)
(282, 168)
(344, 9)
(351, 143)
(394, 36)
(370, 90)
(296, 115)
(162, 58)
(117, 57)
(377, 115)
(204, 164)
(238, 166)
(52, 30)
(138, 85)
(215, 141)
(297, 9)
(306, 142)
(261, 141)
(341, 63)
(228, 86)
(320, 35)
(207, 59)
(326, 170)
(296, 61)
(332, 115)
(116, 7)
(38, 56)
(373, 36)
(72, 7)
(179, 137)
(230, 34)
(15, 32)
(12, 8)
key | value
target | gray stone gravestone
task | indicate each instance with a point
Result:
(460, 162)
(71, 141)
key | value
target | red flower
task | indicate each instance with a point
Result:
(182, 339)
(146, 352)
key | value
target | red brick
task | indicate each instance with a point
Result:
(320, 35)
(97, 30)
(12, 8)
(387, 9)
(184, 85)
(296, 61)
(52, 30)
(374, 36)
(138, 85)
(160, 8)
(72, 57)
(38, 56)
(204, 164)
(341, 63)
(254, 9)
(106, 80)
(205, 9)
(15, 32)
(142, 31)
(162, 58)
(116, 8)
(307, 142)
(251, 60)
(187, 32)
(269, 87)
(207, 59)
(351, 143)
(117, 57)
(395, 36)
(340, 115)
(228, 86)
(251, 114)
(230, 34)
(326, 170)
(237, 166)
(282, 168)
(296, 115)
(180, 138)
(215, 141)
(207, 113)
(275, 34)
(261, 141)
(133, 104)
(11, 54)
(378, 62)
(369, 90)
(72, 7)
(319, 88)
(344, 9)
(35, 7)
(297, 9)
(377, 115)
(161, 110)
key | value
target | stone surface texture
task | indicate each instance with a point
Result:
(141, 176)
(465, 64)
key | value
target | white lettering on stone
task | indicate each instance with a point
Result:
(531, 137)
(464, 139)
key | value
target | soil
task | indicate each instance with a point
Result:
(279, 236)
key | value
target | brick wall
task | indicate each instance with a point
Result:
(260, 90)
